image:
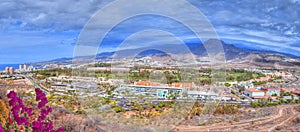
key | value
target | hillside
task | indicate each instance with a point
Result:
(234, 55)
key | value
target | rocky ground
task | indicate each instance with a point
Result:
(280, 118)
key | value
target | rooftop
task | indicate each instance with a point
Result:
(183, 85)
(173, 85)
(262, 97)
(252, 90)
(147, 83)
(273, 89)
(297, 92)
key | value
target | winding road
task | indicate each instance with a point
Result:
(269, 123)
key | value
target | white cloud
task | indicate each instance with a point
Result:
(45, 23)
(64, 15)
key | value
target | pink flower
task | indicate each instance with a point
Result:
(1, 129)
(49, 109)
(29, 111)
(25, 121)
(37, 126)
(42, 117)
(18, 120)
(18, 109)
(11, 94)
(60, 130)
(40, 96)
(12, 101)
(48, 126)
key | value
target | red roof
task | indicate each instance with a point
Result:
(187, 85)
(146, 83)
(183, 85)
(273, 89)
(253, 90)
(262, 97)
(176, 84)
(297, 92)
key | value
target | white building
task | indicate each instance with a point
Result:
(273, 91)
(7, 70)
(11, 70)
(20, 68)
(245, 84)
(25, 67)
(251, 92)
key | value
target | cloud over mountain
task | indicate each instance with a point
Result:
(50, 28)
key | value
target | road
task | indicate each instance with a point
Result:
(268, 123)
(37, 84)
(237, 92)
(297, 79)
(295, 115)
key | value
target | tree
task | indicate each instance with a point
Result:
(255, 104)
(118, 109)
(227, 85)
(240, 90)
(297, 101)
(232, 92)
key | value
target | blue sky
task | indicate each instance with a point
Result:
(32, 31)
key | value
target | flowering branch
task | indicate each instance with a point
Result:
(21, 115)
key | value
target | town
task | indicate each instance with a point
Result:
(149, 65)
(131, 91)
(270, 84)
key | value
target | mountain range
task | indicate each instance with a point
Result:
(232, 53)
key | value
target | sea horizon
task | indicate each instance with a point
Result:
(2, 66)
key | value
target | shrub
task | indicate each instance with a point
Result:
(226, 109)
(236, 119)
(202, 124)
(3, 112)
(227, 84)
(21, 117)
(255, 104)
(232, 92)
(118, 109)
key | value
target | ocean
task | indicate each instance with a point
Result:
(2, 66)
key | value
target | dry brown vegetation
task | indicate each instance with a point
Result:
(283, 118)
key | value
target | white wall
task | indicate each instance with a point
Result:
(252, 94)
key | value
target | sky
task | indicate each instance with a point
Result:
(32, 31)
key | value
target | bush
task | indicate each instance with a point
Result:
(232, 92)
(236, 119)
(226, 109)
(255, 104)
(118, 109)
(227, 84)
(160, 105)
(202, 124)
(21, 116)
(272, 103)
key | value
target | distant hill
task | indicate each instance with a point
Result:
(231, 51)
